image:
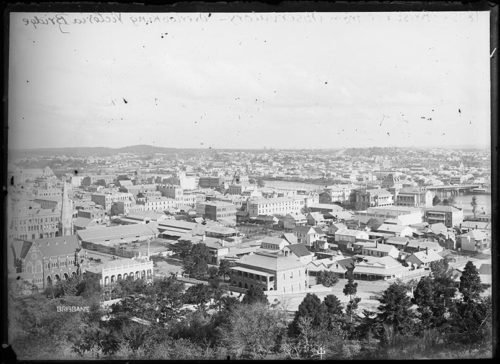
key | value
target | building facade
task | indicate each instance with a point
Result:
(282, 272)
(274, 206)
(43, 262)
(450, 216)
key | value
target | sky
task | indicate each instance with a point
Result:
(274, 80)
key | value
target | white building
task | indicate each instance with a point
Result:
(274, 206)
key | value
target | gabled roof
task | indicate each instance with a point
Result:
(53, 247)
(392, 228)
(291, 238)
(432, 245)
(302, 229)
(386, 248)
(438, 228)
(271, 262)
(350, 232)
(318, 230)
(273, 240)
(316, 215)
(117, 232)
(398, 240)
(426, 257)
(475, 235)
(338, 226)
(299, 250)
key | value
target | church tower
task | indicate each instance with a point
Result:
(66, 211)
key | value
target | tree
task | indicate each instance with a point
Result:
(474, 205)
(213, 272)
(471, 324)
(351, 287)
(333, 305)
(395, 309)
(334, 312)
(253, 331)
(327, 278)
(182, 248)
(436, 200)
(423, 297)
(196, 263)
(89, 286)
(198, 294)
(125, 287)
(224, 268)
(312, 308)
(255, 294)
(373, 224)
(444, 290)
(96, 336)
(470, 283)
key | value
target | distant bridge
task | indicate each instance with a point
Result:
(451, 190)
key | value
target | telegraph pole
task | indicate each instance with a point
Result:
(321, 352)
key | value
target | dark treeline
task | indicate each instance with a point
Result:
(434, 318)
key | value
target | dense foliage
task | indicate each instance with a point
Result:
(435, 318)
(327, 278)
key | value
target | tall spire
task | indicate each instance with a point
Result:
(66, 211)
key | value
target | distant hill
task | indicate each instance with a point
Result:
(92, 151)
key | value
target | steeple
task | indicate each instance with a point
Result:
(66, 211)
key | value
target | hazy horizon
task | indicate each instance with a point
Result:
(263, 148)
(294, 81)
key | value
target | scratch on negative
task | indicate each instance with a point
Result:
(492, 53)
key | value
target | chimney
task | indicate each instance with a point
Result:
(426, 251)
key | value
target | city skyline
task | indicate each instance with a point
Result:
(300, 81)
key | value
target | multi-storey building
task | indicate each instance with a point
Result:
(450, 216)
(114, 271)
(211, 182)
(345, 238)
(171, 191)
(274, 206)
(309, 235)
(282, 272)
(43, 262)
(28, 221)
(406, 215)
(414, 197)
(365, 198)
(107, 198)
(158, 204)
(335, 194)
(219, 210)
